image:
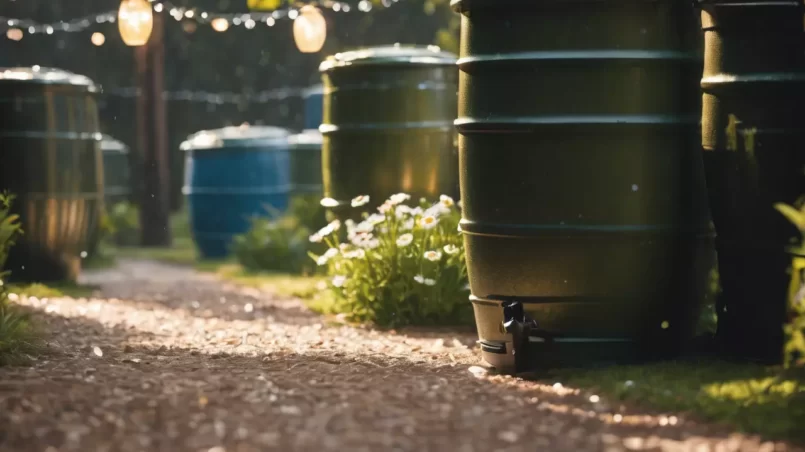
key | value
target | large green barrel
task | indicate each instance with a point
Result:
(388, 125)
(50, 157)
(585, 217)
(754, 152)
(116, 171)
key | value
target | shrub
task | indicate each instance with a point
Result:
(16, 333)
(281, 245)
(400, 266)
(122, 224)
(274, 245)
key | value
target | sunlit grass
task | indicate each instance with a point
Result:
(52, 290)
(753, 399)
(18, 336)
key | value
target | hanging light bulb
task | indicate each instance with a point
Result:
(14, 34)
(309, 29)
(135, 21)
(98, 39)
(220, 24)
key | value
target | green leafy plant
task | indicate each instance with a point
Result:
(795, 329)
(122, 224)
(401, 266)
(281, 245)
(17, 335)
(274, 245)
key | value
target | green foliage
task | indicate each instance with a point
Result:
(281, 245)
(122, 224)
(401, 266)
(795, 329)
(271, 245)
(17, 336)
(9, 228)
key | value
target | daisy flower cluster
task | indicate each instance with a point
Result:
(403, 264)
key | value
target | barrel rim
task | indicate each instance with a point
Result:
(46, 76)
(397, 54)
(226, 138)
(313, 90)
(110, 144)
(306, 137)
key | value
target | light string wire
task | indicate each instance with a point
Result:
(261, 97)
(248, 20)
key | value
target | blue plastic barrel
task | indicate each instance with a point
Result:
(314, 106)
(231, 175)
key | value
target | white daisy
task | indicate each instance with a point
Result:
(433, 256)
(405, 240)
(360, 200)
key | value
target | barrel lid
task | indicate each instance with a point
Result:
(46, 75)
(110, 144)
(311, 137)
(396, 54)
(242, 135)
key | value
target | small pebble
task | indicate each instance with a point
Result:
(508, 436)
(97, 351)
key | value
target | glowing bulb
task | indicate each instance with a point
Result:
(14, 34)
(220, 24)
(98, 39)
(135, 21)
(309, 29)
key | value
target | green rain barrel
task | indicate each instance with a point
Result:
(753, 138)
(116, 171)
(50, 158)
(585, 217)
(388, 125)
(231, 175)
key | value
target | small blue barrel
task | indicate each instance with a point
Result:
(231, 175)
(314, 106)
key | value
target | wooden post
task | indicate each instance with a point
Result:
(154, 194)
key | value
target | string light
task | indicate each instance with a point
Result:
(267, 18)
(98, 38)
(220, 24)
(309, 29)
(14, 34)
(135, 21)
(214, 98)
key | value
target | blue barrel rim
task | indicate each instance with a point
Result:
(305, 138)
(44, 75)
(389, 55)
(237, 137)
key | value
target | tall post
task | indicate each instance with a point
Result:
(153, 140)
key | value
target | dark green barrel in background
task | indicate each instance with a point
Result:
(116, 171)
(388, 125)
(305, 148)
(753, 135)
(585, 217)
(50, 157)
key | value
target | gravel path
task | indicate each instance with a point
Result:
(166, 359)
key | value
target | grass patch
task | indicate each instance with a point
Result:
(182, 252)
(283, 284)
(53, 290)
(18, 336)
(753, 399)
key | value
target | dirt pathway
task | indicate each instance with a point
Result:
(168, 360)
